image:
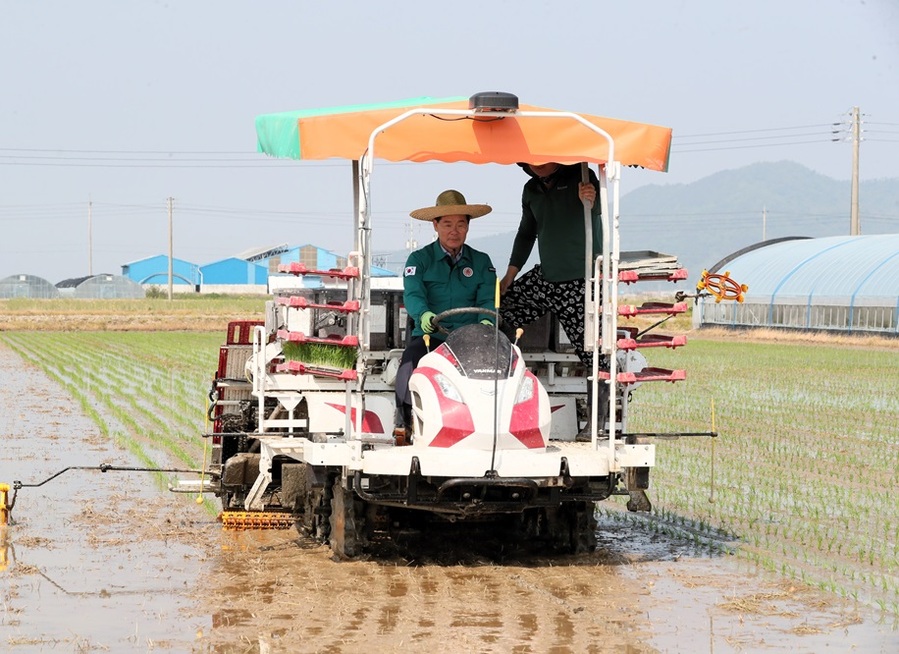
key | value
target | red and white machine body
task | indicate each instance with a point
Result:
(464, 396)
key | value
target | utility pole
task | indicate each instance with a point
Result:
(854, 228)
(411, 243)
(90, 238)
(170, 201)
(764, 222)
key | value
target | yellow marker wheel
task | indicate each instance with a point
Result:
(723, 287)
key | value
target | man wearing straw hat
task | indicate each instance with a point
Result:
(447, 274)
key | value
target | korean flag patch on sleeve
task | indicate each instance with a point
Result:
(409, 271)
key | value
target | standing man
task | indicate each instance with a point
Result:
(552, 214)
(447, 274)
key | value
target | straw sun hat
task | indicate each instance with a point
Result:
(451, 203)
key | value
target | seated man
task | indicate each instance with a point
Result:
(447, 274)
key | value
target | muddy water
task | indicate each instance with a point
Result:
(94, 563)
(664, 599)
(109, 562)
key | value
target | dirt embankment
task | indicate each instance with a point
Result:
(212, 314)
(797, 336)
(121, 322)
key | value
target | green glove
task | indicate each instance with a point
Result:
(489, 323)
(427, 322)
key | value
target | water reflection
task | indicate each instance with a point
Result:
(5, 547)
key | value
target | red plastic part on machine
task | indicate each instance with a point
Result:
(629, 310)
(633, 341)
(647, 374)
(297, 302)
(350, 272)
(240, 332)
(631, 276)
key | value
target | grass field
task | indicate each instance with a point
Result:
(802, 476)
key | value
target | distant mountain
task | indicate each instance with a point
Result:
(703, 222)
(707, 220)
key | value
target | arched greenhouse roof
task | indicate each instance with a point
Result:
(109, 287)
(847, 284)
(27, 286)
(841, 269)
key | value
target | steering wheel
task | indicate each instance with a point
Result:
(723, 287)
(459, 311)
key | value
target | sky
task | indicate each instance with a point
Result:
(109, 108)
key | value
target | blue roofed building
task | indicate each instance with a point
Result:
(154, 271)
(314, 258)
(234, 275)
(847, 284)
(252, 271)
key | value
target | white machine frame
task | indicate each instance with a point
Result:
(375, 453)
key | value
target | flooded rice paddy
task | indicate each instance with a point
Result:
(112, 562)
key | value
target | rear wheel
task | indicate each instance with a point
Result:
(585, 525)
(571, 527)
(316, 518)
(347, 522)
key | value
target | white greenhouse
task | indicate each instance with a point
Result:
(101, 287)
(847, 284)
(27, 286)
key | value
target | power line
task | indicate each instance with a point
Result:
(166, 152)
(675, 148)
(261, 164)
(754, 131)
(751, 138)
(230, 159)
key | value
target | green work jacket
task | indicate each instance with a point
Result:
(431, 282)
(555, 219)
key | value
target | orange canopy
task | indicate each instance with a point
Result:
(503, 138)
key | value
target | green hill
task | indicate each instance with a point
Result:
(707, 220)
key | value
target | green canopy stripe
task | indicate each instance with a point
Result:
(278, 134)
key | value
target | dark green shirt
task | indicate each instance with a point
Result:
(432, 282)
(555, 219)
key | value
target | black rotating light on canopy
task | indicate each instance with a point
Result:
(493, 101)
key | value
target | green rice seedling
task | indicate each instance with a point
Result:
(805, 457)
(322, 354)
(113, 387)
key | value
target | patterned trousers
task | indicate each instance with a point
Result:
(530, 296)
